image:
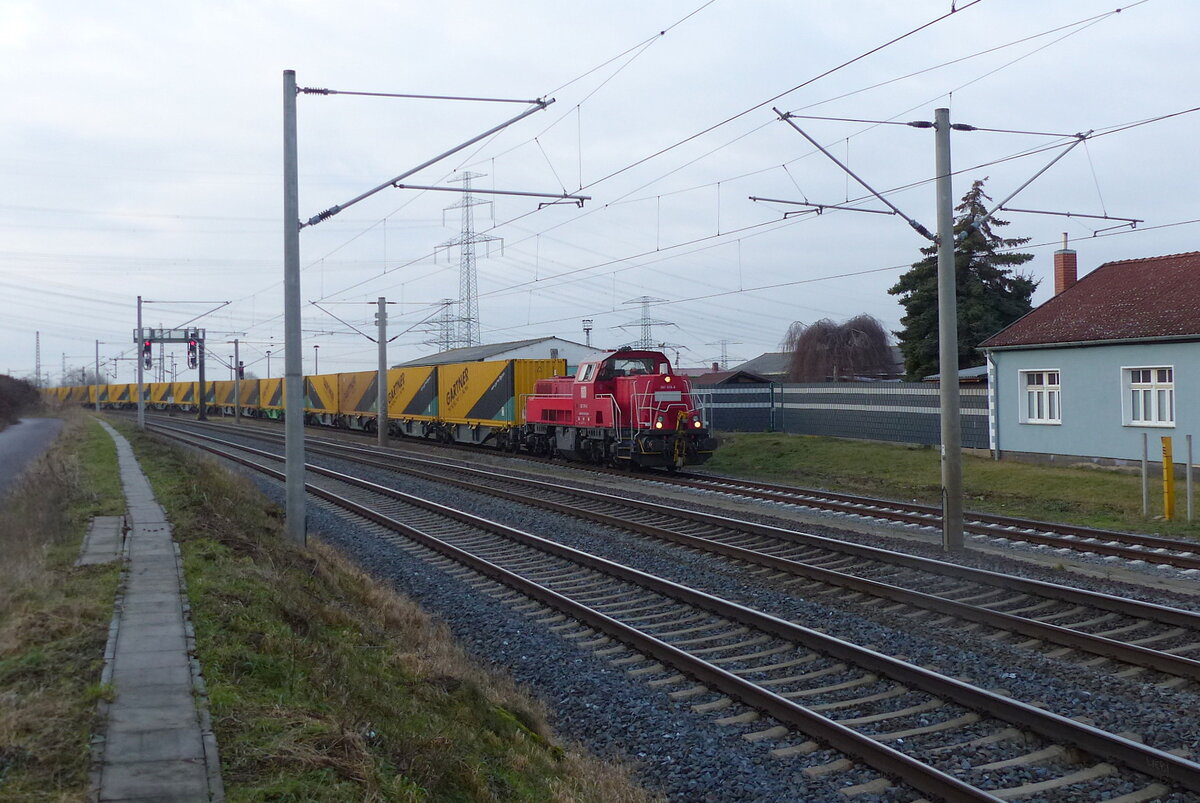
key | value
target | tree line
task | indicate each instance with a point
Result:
(17, 397)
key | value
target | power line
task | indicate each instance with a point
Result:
(771, 100)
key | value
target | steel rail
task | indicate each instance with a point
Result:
(889, 761)
(1095, 741)
(1097, 645)
(1162, 614)
(981, 523)
(1148, 610)
(986, 524)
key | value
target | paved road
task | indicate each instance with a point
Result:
(21, 444)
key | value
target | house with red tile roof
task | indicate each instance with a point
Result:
(1112, 357)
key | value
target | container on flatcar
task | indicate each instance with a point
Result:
(479, 401)
(413, 399)
(271, 397)
(209, 393)
(160, 395)
(184, 396)
(249, 395)
(321, 399)
(358, 397)
(122, 395)
(222, 396)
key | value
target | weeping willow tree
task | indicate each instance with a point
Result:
(826, 351)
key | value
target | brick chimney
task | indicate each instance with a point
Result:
(1066, 268)
(716, 367)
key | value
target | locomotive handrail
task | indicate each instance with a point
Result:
(613, 407)
(642, 402)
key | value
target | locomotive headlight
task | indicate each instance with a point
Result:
(666, 379)
(658, 423)
(697, 424)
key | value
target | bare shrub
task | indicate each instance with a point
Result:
(826, 351)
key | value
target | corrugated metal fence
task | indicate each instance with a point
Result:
(891, 411)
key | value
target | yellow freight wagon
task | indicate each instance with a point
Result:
(358, 398)
(184, 396)
(208, 393)
(413, 399)
(122, 395)
(321, 399)
(160, 395)
(222, 395)
(271, 397)
(479, 401)
(249, 394)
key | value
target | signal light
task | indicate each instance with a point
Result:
(192, 354)
(147, 356)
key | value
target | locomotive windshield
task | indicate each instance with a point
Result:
(632, 366)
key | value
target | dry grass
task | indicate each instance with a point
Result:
(324, 685)
(53, 617)
(1071, 493)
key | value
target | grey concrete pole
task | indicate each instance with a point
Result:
(952, 515)
(293, 368)
(381, 410)
(98, 385)
(200, 355)
(141, 416)
(237, 383)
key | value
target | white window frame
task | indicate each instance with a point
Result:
(1042, 404)
(1155, 394)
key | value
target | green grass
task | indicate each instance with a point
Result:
(1089, 495)
(324, 686)
(54, 617)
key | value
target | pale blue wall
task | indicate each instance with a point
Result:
(1091, 400)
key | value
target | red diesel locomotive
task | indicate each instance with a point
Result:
(626, 409)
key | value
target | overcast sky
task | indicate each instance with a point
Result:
(141, 153)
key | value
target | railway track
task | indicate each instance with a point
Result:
(774, 681)
(1128, 546)
(1108, 544)
(1126, 636)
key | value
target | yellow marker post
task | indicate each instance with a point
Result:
(1168, 479)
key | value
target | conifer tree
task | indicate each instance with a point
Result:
(990, 294)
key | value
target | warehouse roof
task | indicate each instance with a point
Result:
(1133, 299)
(479, 353)
(770, 363)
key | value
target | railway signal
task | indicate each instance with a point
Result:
(147, 355)
(192, 360)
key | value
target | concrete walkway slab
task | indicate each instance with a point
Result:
(158, 742)
(104, 541)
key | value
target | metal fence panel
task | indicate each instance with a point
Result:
(900, 412)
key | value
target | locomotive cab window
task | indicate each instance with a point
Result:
(630, 366)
